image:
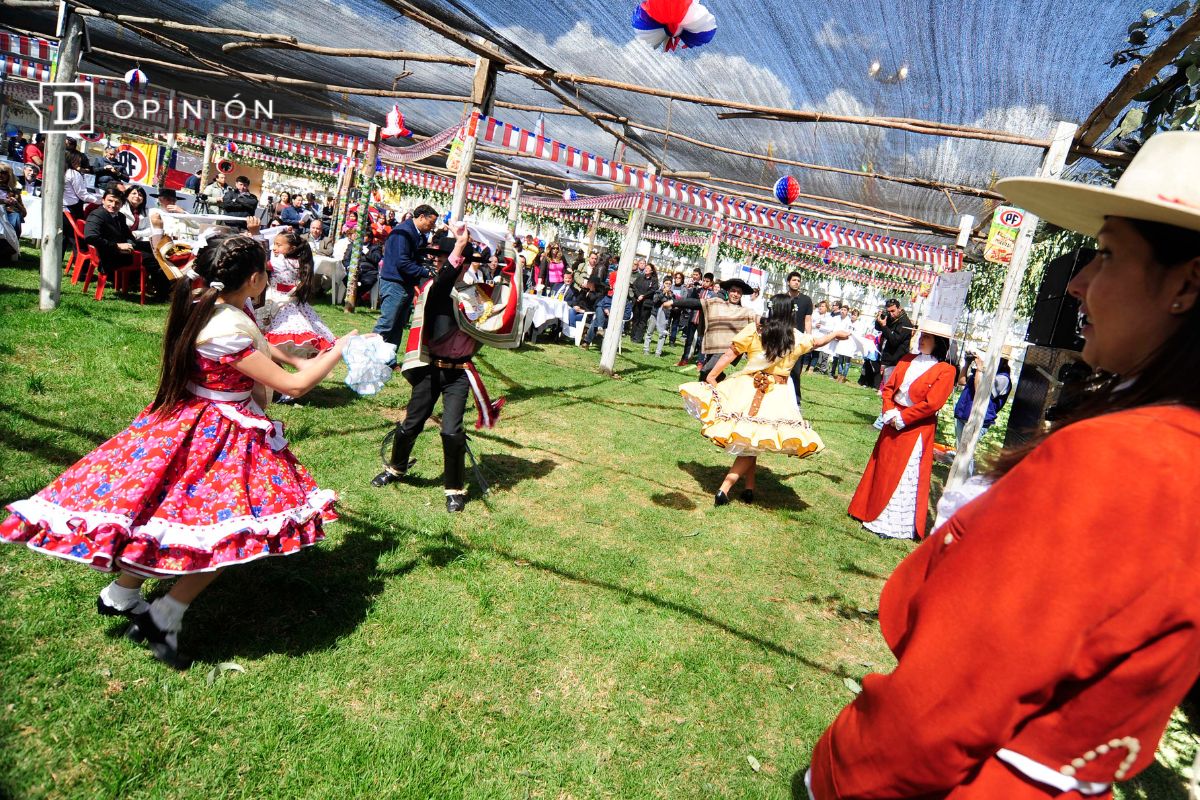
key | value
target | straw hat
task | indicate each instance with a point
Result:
(1161, 184)
(935, 328)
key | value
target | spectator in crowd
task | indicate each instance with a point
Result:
(76, 193)
(293, 213)
(551, 267)
(642, 289)
(312, 207)
(137, 216)
(213, 196)
(320, 242)
(660, 320)
(369, 263)
(30, 182)
(34, 154)
(351, 223)
(71, 145)
(843, 349)
(585, 301)
(390, 220)
(240, 201)
(595, 268)
(828, 324)
(402, 271)
(108, 231)
(109, 170)
(11, 204)
(895, 336)
(679, 290)
(327, 210)
(819, 316)
(692, 347)
(755, 302)
(490, 269)
(802, 311)
(971, 383)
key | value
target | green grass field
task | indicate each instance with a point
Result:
(594, 628)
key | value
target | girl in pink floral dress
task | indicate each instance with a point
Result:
(291, 324)
(202, 479)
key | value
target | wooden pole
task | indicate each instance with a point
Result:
(458, 204)
(1052, 167)
(483, 91)
(345, 181)
(616, 314)
(207, 165)
(1136, 80)
(54, 171)
(591, 233)
(364, 220)
(714, 246)
(514, 214)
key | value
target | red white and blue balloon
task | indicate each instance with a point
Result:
(787, 189)
(674, 23)
(136, 79)
(570, 194)
(394, 130)
(231, 147)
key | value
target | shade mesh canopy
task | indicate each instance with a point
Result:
(1016, 67)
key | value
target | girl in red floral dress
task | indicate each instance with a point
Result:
(202, 479)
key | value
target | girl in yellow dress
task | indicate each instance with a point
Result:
(755, 410)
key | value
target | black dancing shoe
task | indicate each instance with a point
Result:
(105, 610)
(747, 496)
(455, 503)
(163, 644)
(390, 475)
(721, 499)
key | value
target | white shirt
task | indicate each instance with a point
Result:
(844, 347)
(75, 190)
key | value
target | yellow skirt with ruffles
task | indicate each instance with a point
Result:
(725, 419)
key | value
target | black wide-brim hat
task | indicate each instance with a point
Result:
(444, 246)
(737, 283)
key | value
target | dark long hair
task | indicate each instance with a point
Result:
(777, 329)
(302, 252)
(1170, 376)
(231, 259)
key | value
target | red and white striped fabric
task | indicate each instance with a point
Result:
(28, 46)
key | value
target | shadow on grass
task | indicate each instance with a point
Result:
(327, 397)
(769, 490)
(645, 597)
(851, 568)
(300, 604)
(676, 500)
(58, 426)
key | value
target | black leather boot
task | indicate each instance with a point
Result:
(395, 468)
(454, 457)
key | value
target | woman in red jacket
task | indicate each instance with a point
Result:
(1048, 627)
(892, 496)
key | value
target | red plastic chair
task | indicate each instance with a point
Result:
(83, 256)
(120, 277)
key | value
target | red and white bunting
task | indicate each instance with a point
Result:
(495, 131)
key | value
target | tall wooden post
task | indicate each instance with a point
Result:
(616, 314)
(714, 247)
(482, 94)
(54, 169)
(364, 218)
(514, 214)
(591, 234)
(207, 165)
(1052, 166)
(343, 189)
(168, 153)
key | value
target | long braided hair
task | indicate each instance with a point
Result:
(300, 250)
(225, 263)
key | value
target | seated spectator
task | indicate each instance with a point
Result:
(75, 190)
(109, 170)
(85, 163)
(351, 222)
(34, 154)
(294, 214)
(240, 201)
(137, 216)
(368, 266)
(312, 207)
(321, 243)
(30, 182)
(12, 210)
(108, 231)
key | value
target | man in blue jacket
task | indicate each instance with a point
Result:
(403, 270)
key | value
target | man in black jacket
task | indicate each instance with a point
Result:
(240, 201)
(895, 336)
(108, 231)
(802, 308)
(109, 170)
(643, 287)
(403, 270)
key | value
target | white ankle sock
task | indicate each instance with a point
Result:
(167, 613)
(121, 597)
